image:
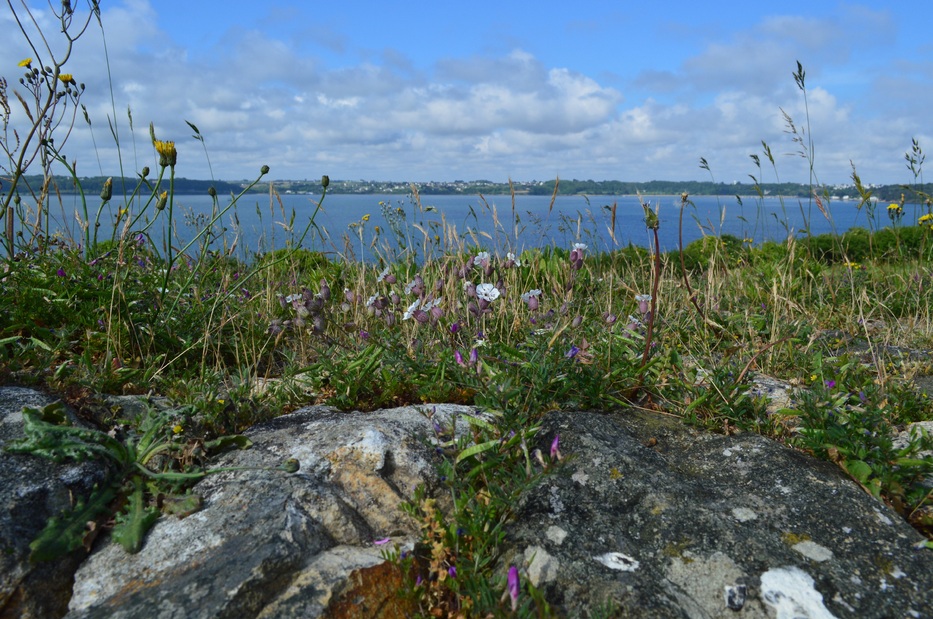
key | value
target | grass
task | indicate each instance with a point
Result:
(234, 339)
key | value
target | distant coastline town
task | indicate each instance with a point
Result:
(885, 193)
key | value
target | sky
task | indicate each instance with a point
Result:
(442, 91)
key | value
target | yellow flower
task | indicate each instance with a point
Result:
(177, 429)
(366, 217)
(162, 201)
(894, 207)
(25, 62)
(167, 153)
(925, 218)
(66, 78)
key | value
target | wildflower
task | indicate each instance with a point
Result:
(511, 260)
(415, 286)
(66, 78)
(513, 586)
(482, 258)
(349, 295)
(61, 272)
(531, 299)
(487, 292)
(168, 156)
(555, 447)
(474, 356)
(610, 318)
(633, 323)
(162, 201)
(830, 384)
(455, 327)
(926, 219)
(576, 256)
(25, 63)
(452, 571)
(386, 277)
(383, 541)
(643, 302)
(177, 429)
(411, 310)
(470, 289)
(365, 218)
(570, 354)
(459, 358)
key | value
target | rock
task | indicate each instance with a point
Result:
(657, 520)
(32, 490)
(267, 544)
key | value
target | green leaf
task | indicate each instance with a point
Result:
(65, 532)
(476, 449)
(858, 469)
(135, 520)
(224, 443)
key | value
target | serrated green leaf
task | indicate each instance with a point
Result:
(135, 520)
(65, 532)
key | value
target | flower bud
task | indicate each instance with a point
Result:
(106, 191)
(325, 181)
(212, 192)
(145, 171)
(162, 201)
(264, 170)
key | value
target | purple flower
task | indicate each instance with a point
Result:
(830, 384)
(459, 358)
(61, 272)
(383, 541)
(454, 327)
(474, 356)
(452, 571)
(531, 299)
(513, 586)
(555, 447)
(643, 301)
(570, 354)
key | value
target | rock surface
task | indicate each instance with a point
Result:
(646, 517)
(32, 490)
(267, 544)
(656, 520)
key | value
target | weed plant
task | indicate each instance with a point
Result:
(236, 337)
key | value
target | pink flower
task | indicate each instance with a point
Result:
(555, 447)
(513, 586)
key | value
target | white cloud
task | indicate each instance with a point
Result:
(258, 99)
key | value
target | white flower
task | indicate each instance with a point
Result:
(382, 275)
(432, 303)
(371, 300)
(513, 258)
(292, 298)
(580, 246)
(487, 292)
(482, 256)
(411, 309)
(530, 293)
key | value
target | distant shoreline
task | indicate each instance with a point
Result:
(92, 185)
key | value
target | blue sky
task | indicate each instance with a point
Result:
(524, 90)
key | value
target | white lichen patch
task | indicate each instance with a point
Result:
(618, 561)
(556, 534)
(541, 566)
(813, 551)
(791, 593)
(580, 477)
(744, 514)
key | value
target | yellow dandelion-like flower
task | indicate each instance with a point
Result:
(167, 153)
(177, 429)
(366, 217)
(925, 218)
(66, 78)
(25, 63)
(894, 206)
